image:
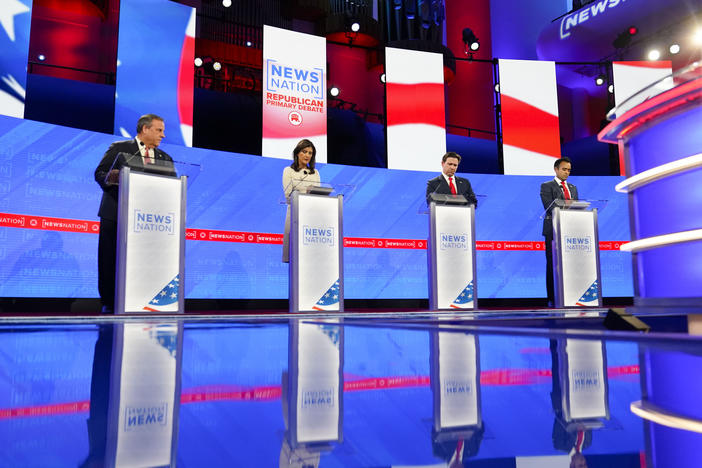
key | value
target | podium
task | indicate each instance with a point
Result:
(316, 249)
(576, 253)
(451, 253)
(151, 237)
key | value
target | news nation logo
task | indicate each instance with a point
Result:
(288, 79)
(323, 398)
(154, 222)
(323, 236)
(144, 417)
(453, 241)
(578, 244)
(598, 7)
(586, 380)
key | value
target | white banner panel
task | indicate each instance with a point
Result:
(459, 380)
(294, 92)
(452, 245)
(147, 395)
(317, 256)
(153, 244)
(529, 102)
(578, 251)
(632, 77)
(318, 383)
(587, 389)
(416, 122)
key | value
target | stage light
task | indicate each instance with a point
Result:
(654, 54)
(334, 91)
(697, 36)
(248, 44)
(600, 80)
(198, 62)
(624, 38)
(217, 66)
(227, 3)
(497, 87)
(382, 77)
(610, 88)
(633, 30)
(674, 48)
(355, 26)
(470, 40)
(41, 57)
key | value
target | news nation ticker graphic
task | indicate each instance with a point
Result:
(15, 20)
(294, 92)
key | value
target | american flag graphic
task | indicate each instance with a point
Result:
(332, 332)
(329, 299)
(166, 296)
(589, 298)
(465, 299)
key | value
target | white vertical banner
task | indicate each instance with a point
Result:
(578, 257)
(416, 115)
(529, 103)
(294, 92)
(630, 78)
(452, 244)
(152, 240)
(316, 239)
(587, 380)
(459, 381)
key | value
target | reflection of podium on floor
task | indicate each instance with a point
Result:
(316, 248)
(451, 253)
(576, 253)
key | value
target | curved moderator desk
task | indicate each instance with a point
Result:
(660, 143)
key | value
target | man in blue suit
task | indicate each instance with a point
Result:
(555, 189)
(447, 183)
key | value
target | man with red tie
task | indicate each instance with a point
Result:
(447, 183)
(552, 190)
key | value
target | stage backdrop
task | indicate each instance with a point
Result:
(15, 23)
(49, 203)
(155, 69)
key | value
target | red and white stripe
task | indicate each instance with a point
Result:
(630, 78)
(529, 101)
(416, 119)
(186, 82)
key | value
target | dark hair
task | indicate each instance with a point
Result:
(299, 147)
(451, 154)
(561, 160)
(146, 120)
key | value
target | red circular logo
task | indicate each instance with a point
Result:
(295, 118)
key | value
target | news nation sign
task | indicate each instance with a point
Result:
(294, 92)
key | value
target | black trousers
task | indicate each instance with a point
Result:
(107, 261)
(548, 240)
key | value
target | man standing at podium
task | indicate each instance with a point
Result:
(556, 189)
(447, 183)
(141, 150)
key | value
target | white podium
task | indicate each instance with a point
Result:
(316, 251)
(150, 243)
(451, 253)
(576, 253)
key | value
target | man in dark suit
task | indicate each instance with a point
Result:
(447, 183)
(142, 152)
(555, 189)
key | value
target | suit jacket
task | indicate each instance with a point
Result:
(439, 185)
(108, 204)
(550, 191)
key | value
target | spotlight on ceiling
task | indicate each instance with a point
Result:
(600, 80)
(334, 91)
(382, 77)
(610, 88)
(697, 36)
(470, 41)
(249, 43)
(198, 62)
(654, 54)
(41, 57)
(217, 66)
(355, 26)
(674, 48)
(226, 3)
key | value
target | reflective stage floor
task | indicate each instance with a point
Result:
(355, 390)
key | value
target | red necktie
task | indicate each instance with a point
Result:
(453, 187)
(147, 158)
(566, 193)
